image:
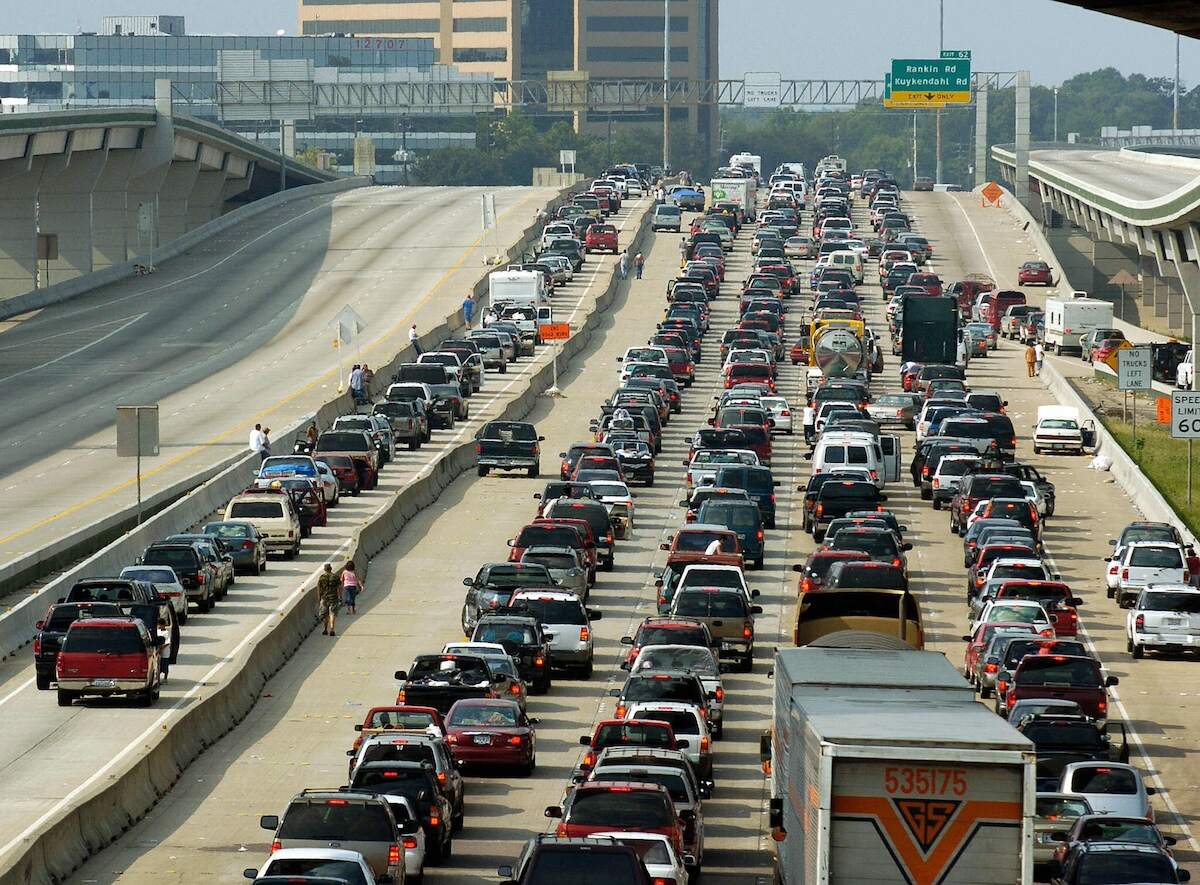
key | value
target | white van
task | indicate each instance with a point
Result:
(524, 288)
(849, 260)
(271, 512)
(861, 450)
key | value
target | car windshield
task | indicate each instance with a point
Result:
(256, 510)
(638, 734)
(228, 530)
(509, 430)
(699, 541)
(556, 611)
(398, 750)
(661, 688)
(1056, 670)
(877, 544)
(672, 636)
(1059, 806)
(104, 640)
(491, 631)
(339, 870)
(869, 575)
(483, 715)
(451, 670)
(343, 441)
(713, 577)
(337, 820)
(400, 719)
(1059, 424)
(706, 604)
(633, 810)
(1155, 557)
(1170, 602)
(553, 561)
(744, 518)
(610, 489)
(153, 575)
(1117, 830)
(1082, 736)
(522, 575)
(1105, 781)
(682, 722)
(1147, 533)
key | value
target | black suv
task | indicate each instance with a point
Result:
(52, 629)
(417, 782)
(552, 860)
(198, 577)
(523, 639)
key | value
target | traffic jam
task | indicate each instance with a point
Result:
(805, 433)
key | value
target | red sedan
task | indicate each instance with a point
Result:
(1032, 272)
(491, 732)
(601, 238)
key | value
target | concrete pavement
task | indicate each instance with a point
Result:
(235, 331)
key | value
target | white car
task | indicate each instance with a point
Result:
(658, 855)
(705, 575)
(165, 581)
(1016, 611)
(697, 659)
(1112, 788)
(1149, 562)
(567, 626)
(780, 413)
(1034, 494)
(331, 489)
(689, 724)
(414, 843)
(324, 863)
(1165, 617)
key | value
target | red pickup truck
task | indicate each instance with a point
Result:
(601, 238)
(1062, 677)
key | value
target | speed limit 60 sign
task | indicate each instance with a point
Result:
(1185, 414)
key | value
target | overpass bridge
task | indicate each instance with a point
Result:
(1141, 212)
(83, 190)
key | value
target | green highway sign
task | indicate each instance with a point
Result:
(931, 75)
(957, 53)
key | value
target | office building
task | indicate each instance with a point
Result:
(525, 39)
(55, 71)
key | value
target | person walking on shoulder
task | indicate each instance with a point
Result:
(623, 264)
(468, 307)
(414, 339)
(356, 383)
(1030, 359)
(638, 263)
(327, 599)
(1040, 354)
(257, 440)
(350, 587)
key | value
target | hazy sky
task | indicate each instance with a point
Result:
(1053, 40)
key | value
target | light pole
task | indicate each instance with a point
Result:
(937, 148)
(1056, 114)
(666, 158)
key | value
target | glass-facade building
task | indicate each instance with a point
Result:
(40, 72)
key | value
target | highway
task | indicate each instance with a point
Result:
(234, 331)
(206, 827)
(1115, 173)
(51, 756)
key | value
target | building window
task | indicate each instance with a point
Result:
(373, 26)
(467, 25)
(625, 23)
(481, 54)
(634, 53)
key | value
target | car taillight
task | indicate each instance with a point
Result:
(515, 740)
(1185, 576)
(394, 855)
(539, 661)
(37, 645)
(747, 632)
(410, 842)
(1140, 622)
(1102, 706)
(589, 759)
(806, 585)
(1001, 686)
(400, 698)
(291, 533)
(566, 468)
(874, 474)
(991, 668)
(441, 777)
(452, 739)
(435, 819)
(200, 575)
(478, 448)
(276, 845)
(621, 711)
(689, 477)
(937, 484)
(896, 563)
(1010, 701)
(760, 534)
(1124, 574)
(584, 634)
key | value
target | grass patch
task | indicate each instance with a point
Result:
(1163, 460)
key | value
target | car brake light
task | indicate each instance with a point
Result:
(441, 777)
(247, 545)
(400, 698)
(276, 845)
(874, 474)
(515, 740)
(453, 738)
(1102, 705)
(1010, 701)
(410, 842)
(760, 534)
(394, 855)
(747, 632)
(589, 759)
(896, 563)
(621, 711)
(37, 645)
(1124, 574)
(291, 533)
(584, 634)
(539, 661)
(1140, 622)
(991, 668)
(200, 575)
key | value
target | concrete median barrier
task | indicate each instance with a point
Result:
(156, 760)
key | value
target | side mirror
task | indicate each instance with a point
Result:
(358, 727)
(1184, 875)
(966, 637)
(541, 439)
(756, 609)
(594, 614)
(269, 822)
(614, 692)
(1075, 600)
(663, 546)
(554, 811)
(754, 594)
(906, 546)
(1111, 681)
(1151, 791)
(626, 666)
(504, 872)
(626, 640)
(400, 675)
(470, 582)
(562, 454)
(250, 873)
(350, 753)
(537, 496)
(41, 624)
(585, 740)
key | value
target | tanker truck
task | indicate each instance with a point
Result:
(837, 348)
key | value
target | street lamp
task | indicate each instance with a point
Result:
(666, 156)
(1056, 114)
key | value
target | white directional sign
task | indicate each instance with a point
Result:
(1185, 414)
(762, 89)
(1134, 371)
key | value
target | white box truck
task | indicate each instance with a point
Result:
(743, 191)
(525, 288)
(884, 769)
(754, 161)
(1069, 319)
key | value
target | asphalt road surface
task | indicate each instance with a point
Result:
(206, 828)
(51, 756)
(235, 331)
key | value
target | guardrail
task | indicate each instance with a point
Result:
(137, 784)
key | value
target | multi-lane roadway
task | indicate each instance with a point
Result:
(206, 828)
(235, 331)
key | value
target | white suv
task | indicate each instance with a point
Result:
(566, 623)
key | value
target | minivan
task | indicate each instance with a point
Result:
(837, 450)
(849, 260)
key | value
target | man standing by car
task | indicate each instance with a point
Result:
(1030, 359)
(638, 263)
(468, 307)
(356, 383)
(257, 439)
(1039, 355)
(328, 597)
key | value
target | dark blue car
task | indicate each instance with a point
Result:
(758, 483)
(742, 517)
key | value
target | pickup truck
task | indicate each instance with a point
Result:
(438, 681)
(1164, 618)
(508, 445)
(444, 388)
(1065, 677)
(1060, 740)
(355, 444)
(408, 421)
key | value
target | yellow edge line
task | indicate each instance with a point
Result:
(74, 508)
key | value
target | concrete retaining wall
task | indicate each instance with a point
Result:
(39, 298)
(1141, 491)
(139, 782)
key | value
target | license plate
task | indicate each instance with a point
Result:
(104, 683)
(483, 739)
(1174, 622)
(726, 645)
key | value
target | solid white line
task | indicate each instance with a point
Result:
(978, 241)
(16, 691)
